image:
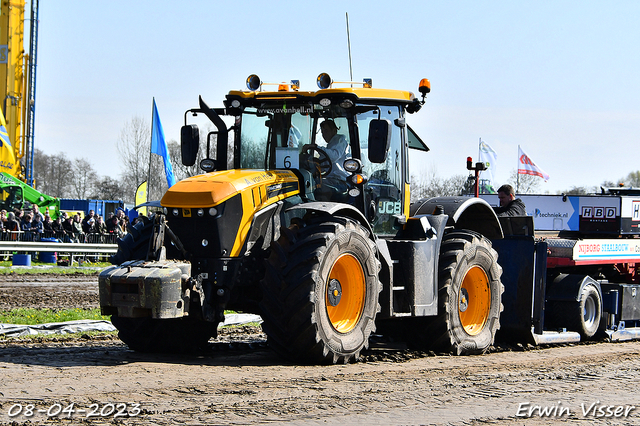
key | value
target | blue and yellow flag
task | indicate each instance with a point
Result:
(159, 145)
(8, 162)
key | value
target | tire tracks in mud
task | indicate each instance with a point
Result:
(254, 386)
(239, 381)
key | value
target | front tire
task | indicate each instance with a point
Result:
(469, 297)
(176, 335)
(320, 293)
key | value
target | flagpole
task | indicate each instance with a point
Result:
(517, 173)
(153, 103)
(479, 159)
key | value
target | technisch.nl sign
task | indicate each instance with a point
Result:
(585, 213)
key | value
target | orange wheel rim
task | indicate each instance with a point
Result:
(474, 300)
(345, 294)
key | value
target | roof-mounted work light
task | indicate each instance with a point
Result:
(324, 81)
(253, 82)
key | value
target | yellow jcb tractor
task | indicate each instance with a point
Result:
(324, 251)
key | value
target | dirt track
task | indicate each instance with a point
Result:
(247, 384)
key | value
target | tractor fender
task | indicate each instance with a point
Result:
(568, 287)
(474, 214)
(336, 209)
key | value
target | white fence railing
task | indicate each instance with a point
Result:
(50, 246)
(94, 245)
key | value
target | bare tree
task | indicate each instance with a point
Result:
(53, 173)
(577, 190)
(134, 149)
(632, 179)
(108, 188)
(84, 178)
(431, 185)
(524, 184)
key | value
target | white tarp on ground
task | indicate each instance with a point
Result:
(79, 326)
(17, 330)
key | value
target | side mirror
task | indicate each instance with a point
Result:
(379, 140)
(189, 144)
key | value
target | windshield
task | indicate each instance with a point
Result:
(273, 138)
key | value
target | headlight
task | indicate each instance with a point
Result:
(208, 165)
(347, 103)
(200, 213)
(213, 211)
(352, 165)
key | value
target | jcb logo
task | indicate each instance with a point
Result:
(389, 207)
(599, 212)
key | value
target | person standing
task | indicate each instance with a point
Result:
(509, 204)
(78, 233)
(27, 227)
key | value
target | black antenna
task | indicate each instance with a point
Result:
(349, 43)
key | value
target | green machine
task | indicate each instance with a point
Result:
(17, 194)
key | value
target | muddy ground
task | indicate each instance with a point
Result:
(239, 381)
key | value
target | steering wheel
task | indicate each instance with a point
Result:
(323, 161)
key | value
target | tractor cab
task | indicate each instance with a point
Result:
(346, 144)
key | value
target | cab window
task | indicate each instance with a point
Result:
(383, 191)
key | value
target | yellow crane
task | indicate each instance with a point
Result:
(17, 89)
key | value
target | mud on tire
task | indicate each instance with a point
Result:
(320, 292)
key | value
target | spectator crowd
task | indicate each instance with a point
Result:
(34, 226)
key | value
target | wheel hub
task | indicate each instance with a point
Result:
(334, 292)
(464, 299)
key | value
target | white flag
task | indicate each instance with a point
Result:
(526, 166)
(490, 158)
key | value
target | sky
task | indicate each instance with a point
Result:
(557, 78)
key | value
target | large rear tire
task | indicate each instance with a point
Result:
(469, 297)
(320, 292)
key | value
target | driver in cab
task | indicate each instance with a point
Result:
(338, 150)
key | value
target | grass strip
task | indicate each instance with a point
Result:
(30, 316)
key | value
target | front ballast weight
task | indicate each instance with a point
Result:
(156, 289)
